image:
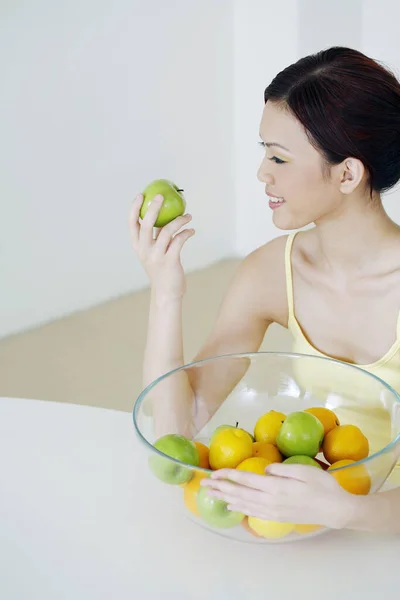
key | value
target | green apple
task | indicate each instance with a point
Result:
(222, 427)
(180, 448)
(215, 511)
(174, 203)
(301, 433)
(302, 460)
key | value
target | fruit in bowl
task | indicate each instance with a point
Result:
(354, 439)
(177, 447)
(301, 433)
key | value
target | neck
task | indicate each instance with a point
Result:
(355, 237)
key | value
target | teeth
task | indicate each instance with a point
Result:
(276, 200)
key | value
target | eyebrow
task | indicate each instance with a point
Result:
(269, 144)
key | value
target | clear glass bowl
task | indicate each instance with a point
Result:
(238, 389)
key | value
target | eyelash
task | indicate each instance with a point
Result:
(275, 159)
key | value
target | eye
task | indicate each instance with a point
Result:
(275, 159)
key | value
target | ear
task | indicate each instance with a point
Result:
(351, 175)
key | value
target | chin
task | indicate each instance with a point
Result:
(287, 222)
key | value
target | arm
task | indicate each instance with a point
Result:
(186, 400)
(183, 402)
(379, 512)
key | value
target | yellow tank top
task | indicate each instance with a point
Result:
(323, 374)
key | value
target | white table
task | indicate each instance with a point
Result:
(80, 519)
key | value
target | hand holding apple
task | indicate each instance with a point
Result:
(160, 254)
(173, 204)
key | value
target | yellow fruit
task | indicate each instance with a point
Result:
(270, 529)
(268, 451)
(245, 524)
(356, 480)
(229, 448)
(304, 529)
(268, 426)
(190, 492)
(327, 417)
(203, 454)
(254, 465)
(346, 442)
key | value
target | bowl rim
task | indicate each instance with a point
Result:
(139, 400)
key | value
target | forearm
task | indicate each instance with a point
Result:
(164, 344)
(379, 512)
(172, 399)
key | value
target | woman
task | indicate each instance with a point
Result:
(331, 133)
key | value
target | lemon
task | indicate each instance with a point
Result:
(270, 529)
(229, 448)
(268, 426)
(305, 529)
(254, 465)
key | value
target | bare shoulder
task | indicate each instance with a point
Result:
(263, 272)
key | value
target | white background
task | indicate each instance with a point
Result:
(99, 98)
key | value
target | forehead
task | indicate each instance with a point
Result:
(280, 126)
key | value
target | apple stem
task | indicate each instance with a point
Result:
(237, 423)
(180, 190)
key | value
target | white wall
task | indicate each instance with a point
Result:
(98, 99)
(266, 41)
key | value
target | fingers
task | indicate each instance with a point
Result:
(168, 232)
(178, 241)
(299, 472)
(249, 510)
(133, 220)
(163, 240)
(147, 225)
(234, 482)
(250, 480)
(233, 489)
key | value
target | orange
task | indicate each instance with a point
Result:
(345, 442)
(203, 454)
(355, 481)
(267, 450)
(327, 417)
(229, 448)
(190, 492)
(256, 464)
(304, 529)
(268, 426)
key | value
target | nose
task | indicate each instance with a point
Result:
(263, 175)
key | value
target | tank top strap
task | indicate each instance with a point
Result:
(289, 276)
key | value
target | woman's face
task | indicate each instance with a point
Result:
(293, 170)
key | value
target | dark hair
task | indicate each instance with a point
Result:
(349, 106)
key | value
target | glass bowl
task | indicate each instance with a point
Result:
(236, 390)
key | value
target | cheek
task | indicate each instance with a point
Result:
(307, 189)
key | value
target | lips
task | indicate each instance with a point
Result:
(275, 201)
(271, 195)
